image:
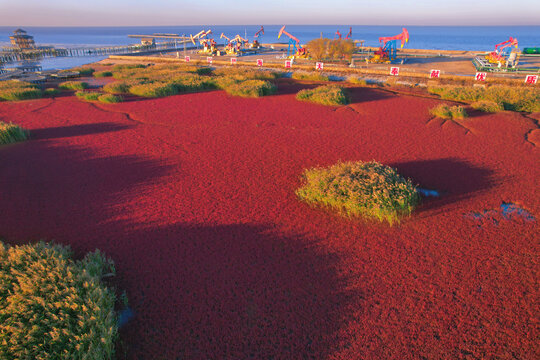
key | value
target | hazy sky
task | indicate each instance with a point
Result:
(244, 12)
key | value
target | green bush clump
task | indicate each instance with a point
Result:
(444, 111)
(192, 83)
(117, 87)
(52, 307)
(84, 71)
(153, 90)
(110, 99)
(510, 98)
(313, 76)
(88, 95)
(251, 88)
(101, 74)
(13, 90)
(367, 189)
(10, 133)
(51, 92)
(120, 67)
(487, 106)
(73, 85)
(324, 95)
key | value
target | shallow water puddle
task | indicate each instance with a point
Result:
(506, 211)
(125, 316)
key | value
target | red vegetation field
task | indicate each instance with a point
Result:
(193, 198)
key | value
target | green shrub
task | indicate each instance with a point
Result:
(51, 92)
(367, 189)
(511, 98)
(88, 95)
(52, 307)
(120, 67)
(251, 88)
(487, 106)
(325, 95)
(84, 71)
(117, 87)
(444, 111)
(73, 85)
(10, 133)
(314, 76)
(13, 90)
(157, 89)
(110, 99)
(101, 74)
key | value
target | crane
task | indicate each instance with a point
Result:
(503, 52)
(338, 34)
(297, 49)
(388, 50)
(256, 43)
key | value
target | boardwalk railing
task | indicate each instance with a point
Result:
(14, 55)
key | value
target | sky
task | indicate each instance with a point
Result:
(255, 12)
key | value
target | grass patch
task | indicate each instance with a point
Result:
(51, 92)
(54, 307)
(153, 90)
(367, 189)
(204, 71)
(73, 85)
(13, 90)
(117, 87)
(251, 88)
(325, 95)
(110, 99)
(444, 111)
(84, 71)
(510, 98)
(102, 74)
(357, 81)
(10, 133)
(487, 106)
(313, 76)
(246, 73)
(88, 95)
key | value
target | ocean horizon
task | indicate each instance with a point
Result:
(475, 38)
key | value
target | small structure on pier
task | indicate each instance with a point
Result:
(21, 40)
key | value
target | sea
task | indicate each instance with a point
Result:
(475, 38)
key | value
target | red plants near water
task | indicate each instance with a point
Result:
(193, 197)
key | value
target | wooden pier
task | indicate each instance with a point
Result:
(8, 55)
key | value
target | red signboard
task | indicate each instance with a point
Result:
(186, 58)
(435, 74)
(531, 79)
(233, 61)
(209, 60)
(394, 71)
(481, 76)
(319, 66)
(288, 64)
(259, 62)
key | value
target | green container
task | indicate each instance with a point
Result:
(534, 50)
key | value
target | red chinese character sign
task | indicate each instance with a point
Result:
(435, 74)
(288, 64)
(394, 71)
(259, 62)
(319, 66)
(531, 79)
(233, 61)
(187, 59)
(481, 76)
(209, 60)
